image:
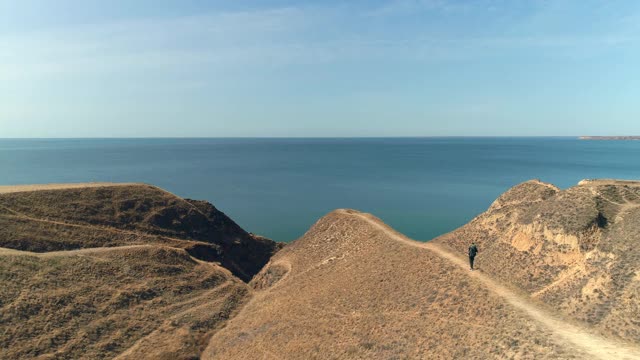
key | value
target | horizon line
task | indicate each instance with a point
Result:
(304, 137)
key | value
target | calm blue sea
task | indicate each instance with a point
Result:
(423, 187)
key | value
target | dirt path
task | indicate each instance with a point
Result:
(96, 250)
(194, 307)
(86, 251)
(570, 334)
(5, 189)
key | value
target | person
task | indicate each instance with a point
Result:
(473, 251)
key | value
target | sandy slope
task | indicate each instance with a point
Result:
(580, 337)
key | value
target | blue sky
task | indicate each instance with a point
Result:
(91, 68)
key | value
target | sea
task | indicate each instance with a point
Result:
(279, 187)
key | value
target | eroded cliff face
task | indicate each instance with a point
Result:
(576, 249)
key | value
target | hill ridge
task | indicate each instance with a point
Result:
(593, 344)
(32, 218)
(573, 249)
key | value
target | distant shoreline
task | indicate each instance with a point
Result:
(609, 137)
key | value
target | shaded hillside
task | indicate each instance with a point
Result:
(151, 301)
(347, 289)
(575, 249)
(114, 214)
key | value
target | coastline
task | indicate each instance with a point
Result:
(609, 138)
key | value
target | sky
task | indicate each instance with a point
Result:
(191, 68)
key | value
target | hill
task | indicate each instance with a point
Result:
(575, 249)
(43, 218)
(353, 288)
(150, 301)
(130, 271)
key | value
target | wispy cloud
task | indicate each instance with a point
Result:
(212, 39)
(281, 37)
(316, 60)
(404, 7)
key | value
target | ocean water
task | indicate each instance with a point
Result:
(278, 188)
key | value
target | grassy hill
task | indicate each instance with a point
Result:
(97, 303)
(104, 270)
(130, 271)
(126, 214)
(577, 250)
(347, 290)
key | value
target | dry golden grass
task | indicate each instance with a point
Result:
(576, 249)
(95, 304)
(119, 275)
(347, 290)
(71, 217)
(109, 270)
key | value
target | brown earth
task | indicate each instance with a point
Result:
(575, 249)
(42, 218)
(103, 270)
(141, 301)
(350, 288)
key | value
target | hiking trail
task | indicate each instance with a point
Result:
(567, 333)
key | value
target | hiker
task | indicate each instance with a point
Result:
(473, 251)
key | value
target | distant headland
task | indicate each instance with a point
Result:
(609, 138)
